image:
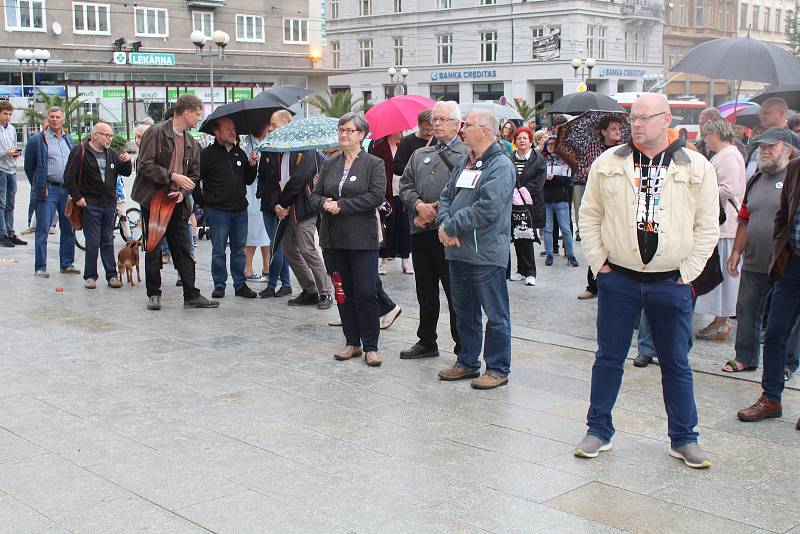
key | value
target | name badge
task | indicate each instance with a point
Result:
(352, 178)
(426, 161)
(468, 179)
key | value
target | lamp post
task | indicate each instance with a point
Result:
(585, 66)
(41, 57)
(400, 86)
(23, 55)
(219, 38)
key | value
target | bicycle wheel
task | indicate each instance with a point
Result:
(134, 216)
(80, 240)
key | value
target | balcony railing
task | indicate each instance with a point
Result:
(642, 9)
(205, 3)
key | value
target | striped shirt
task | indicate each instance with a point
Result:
(57, 154)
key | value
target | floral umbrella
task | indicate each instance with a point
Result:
(580, 142)
(311, 133)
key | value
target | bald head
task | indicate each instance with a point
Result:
(650, 121)
(652, 102)
(278, 119)
(101, 137)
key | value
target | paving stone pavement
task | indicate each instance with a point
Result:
(116, 419)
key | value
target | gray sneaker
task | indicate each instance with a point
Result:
(41, 274)
(154, 303)
(692, 455)
(591, 446)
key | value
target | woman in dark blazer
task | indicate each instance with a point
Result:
(531, 175)
(347, 194)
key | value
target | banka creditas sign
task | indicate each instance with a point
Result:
(463, 74)
(619, 71)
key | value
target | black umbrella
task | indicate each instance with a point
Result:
(252, 114)
(790, 93)
(577, 103)
(749, 117)
(741, 59)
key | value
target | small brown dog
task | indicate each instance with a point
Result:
(127, 259)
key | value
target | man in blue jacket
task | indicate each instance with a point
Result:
(45, 160)
(474, 222)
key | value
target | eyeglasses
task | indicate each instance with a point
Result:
(468, 125)
(106, 135)
(633, 119)
(437, 120)
(347, 131)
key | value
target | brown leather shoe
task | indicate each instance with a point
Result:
(762, 409)
(372, 359)
(347, 353)
(457, 372)
(489, 380)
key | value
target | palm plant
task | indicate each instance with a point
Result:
(337, 104)
(526, 110)
(71, 107)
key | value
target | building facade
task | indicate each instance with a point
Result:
(127, 60)
(472, 50)
(765, 20)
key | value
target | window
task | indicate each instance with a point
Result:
(444, 92)
(442, 4)
(677, 14)
(398, 6)
(767, 18)
(488, 2)
(636, 46)
(336, 54)
(90, 18)
(364, 7)
(334, 14)
(743, 17)
(398, 51)
(487, 91)
(295, 31)
(756, 11)
(151, 22)
(250, 28)
(25, 15)
(203, 21)
(778, 20)
(488, 46)
(365, 52)
(699, 12)
(596, 42)
(444, 48)
(675, 54)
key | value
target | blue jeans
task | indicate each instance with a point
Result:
(561, 212)
(46, 209)
(8, 190)
(278, 266)
(225, 226)
(669, 311)
(645, 344)
(783, 314)
(476, 288)
(98, 228)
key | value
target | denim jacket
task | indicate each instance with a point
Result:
(36, 163)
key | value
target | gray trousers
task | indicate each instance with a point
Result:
(300, 251)
(577, 197)
(754, 291)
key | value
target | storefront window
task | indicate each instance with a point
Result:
(444, 92)
(487, 91)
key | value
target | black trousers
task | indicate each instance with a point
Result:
(430, 268)
(180, 245)
(359, 313)
(591, 284)
(526, 264)
(385, 304)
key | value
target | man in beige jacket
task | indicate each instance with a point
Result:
(649, 222)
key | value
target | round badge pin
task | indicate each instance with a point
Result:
(352, 178)
(426, 161)
(479, 164)
(239, 163)
(779, 185)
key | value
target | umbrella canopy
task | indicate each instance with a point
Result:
(728, 112)
(790, 93)
(579, 141)
(503, 113)
(748, 117)
(397, 114)
(252, 114)
(577, 103)
(741, 59)
(161, 208)
(303, 134)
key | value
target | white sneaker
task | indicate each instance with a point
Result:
(530, 280)
(516, 277)
(384, 267)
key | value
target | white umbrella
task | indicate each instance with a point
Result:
(503, 113)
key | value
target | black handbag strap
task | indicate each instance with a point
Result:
(446, 161)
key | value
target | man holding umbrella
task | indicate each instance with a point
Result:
(225, 173)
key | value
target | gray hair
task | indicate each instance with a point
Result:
(140, 129)
(451, 108)
(722, 129)
(714, 112)
(487, 119)
(56, 109)
(358, 121)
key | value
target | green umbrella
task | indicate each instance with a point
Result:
(303, 134)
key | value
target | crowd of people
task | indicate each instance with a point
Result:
(668, 228)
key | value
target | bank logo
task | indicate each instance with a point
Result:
(434, 75)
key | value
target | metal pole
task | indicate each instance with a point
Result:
(211, 68)
(21, 80)
(33, 72)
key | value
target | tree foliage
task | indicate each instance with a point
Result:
(337, 104)
(71, 106)
(793, 28)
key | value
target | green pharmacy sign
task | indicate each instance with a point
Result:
(151, 59)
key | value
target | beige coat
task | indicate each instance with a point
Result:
(689, 214)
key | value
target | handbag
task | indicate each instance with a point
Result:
(522, 220)
(74, 212)
(711, 276)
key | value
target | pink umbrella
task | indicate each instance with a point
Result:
(397, 114)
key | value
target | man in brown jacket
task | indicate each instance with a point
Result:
(169, 159)
(785, 272)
